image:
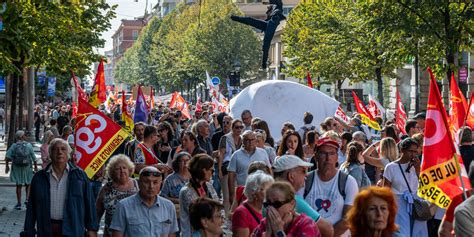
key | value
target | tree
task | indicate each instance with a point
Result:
(335, 41)
(199, 37)
(58, 36)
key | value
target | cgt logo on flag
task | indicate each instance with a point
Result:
(96, 138)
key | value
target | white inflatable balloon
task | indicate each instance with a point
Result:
(278, 101)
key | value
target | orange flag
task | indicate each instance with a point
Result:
(400, 115)
(470, 112)
(97, 137)
(441, 167)
(364, 113)
(457, 110)
(98, 94)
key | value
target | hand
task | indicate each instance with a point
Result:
(220, 174)
(165, 148)
(7, 169)
(274, 220)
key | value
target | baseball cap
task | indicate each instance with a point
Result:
(327, 141)
(287, 162)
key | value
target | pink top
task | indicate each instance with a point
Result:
(44, 155)
(302, 226)
(243, 218)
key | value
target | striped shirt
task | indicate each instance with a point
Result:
(58, 190)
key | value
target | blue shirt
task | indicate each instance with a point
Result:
(240, 162)
(133, 218)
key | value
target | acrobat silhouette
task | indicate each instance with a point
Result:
(268, 26)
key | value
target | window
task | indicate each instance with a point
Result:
(135, 34)
(287, 10)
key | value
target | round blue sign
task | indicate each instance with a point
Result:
(216, 81)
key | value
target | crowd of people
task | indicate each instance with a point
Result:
(214, 175)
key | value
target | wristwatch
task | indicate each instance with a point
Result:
(280, 234)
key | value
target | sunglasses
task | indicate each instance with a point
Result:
(275, 204)
(150, 173)
(239, 127)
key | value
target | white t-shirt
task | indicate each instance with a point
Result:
(324, 197)
(393, 174)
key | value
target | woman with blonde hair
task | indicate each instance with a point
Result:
(388, 152)
(120, 186)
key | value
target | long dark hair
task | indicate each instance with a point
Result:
(284, 148)
(196, 166)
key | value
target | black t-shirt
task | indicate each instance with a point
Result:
(467, 153)
(37, 119)
(62, 122)
(216, 138)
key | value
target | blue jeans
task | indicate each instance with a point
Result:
(215, 180)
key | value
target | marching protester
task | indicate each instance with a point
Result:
(145, 155)
(47, 138)
(61, 201)
(201, 167)
(464, 212)
(206, 218)
(145, 213)
(138, 130)
(246, 117)
(23, 160)
(373, 214)
(119, 186)
(291, 144)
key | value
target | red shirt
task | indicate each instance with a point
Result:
(302, 226)
(449, 215)
(243, 218)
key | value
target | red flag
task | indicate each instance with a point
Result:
(97, 137)
(470, 112)
(308, 78)
(98, 94)
(198, 105)
(375, 108)
(177, 101)
(457, 109)
(364, 113)
(400, 115)
(80, 91)
(440, 167)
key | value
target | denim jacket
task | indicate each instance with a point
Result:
(79, 210)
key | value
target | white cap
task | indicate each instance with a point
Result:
(287, 162)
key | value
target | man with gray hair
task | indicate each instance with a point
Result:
(241, 159)
(47, 209)
(145, 213)
(203, 136)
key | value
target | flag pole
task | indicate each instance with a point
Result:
(458, 166)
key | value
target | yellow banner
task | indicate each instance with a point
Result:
(431, 179)
(371, 123)
(104, 154)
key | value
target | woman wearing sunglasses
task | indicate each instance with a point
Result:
(281, 218)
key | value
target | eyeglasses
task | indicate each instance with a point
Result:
(226, 122)
(239, 127)
(326, 154)
(275, 204)
(147, 173)
(249, 140)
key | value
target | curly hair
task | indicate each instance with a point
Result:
(357, 218)
(284, 148)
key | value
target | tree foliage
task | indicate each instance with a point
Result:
(187, 42)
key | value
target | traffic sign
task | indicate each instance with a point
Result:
(216, 81)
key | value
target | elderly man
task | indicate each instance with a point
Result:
(292, 169)
(328, 190)
(203, 134)
(241, 159)
(47, 208)
(145, 213)
(246, 117)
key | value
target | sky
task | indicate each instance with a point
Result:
(127, 9)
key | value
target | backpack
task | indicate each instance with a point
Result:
(306, 130)
(21, 154)
(341, 183)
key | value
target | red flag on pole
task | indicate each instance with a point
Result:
(442, 174)
(97, 137)
(470, 112)
(98, 94)
(308, 78)
(177, 101)
(400, 115)
(364, 113)
(457, 110)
